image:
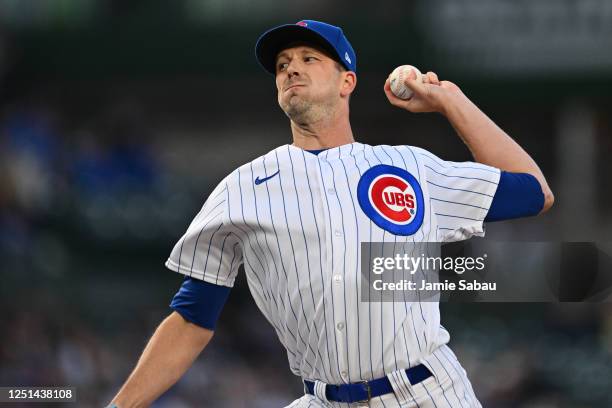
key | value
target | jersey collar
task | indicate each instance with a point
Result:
(334, 153)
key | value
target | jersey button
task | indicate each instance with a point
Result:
(338, 233)
(340, 326)
(331, 191)
(343, 374)
(337, 278)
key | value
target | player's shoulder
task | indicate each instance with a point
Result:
(408, 152)
(421, 155)
(439, 166)
(423, 158)
(433, 163)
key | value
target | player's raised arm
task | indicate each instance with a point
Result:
(171, 351)
(488, 143)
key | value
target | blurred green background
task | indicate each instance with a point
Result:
(117, 118)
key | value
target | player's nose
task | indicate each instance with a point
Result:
(293, 72)
(293, 68)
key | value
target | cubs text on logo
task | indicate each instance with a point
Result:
(392, 198)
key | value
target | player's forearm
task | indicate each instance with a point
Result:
(488, 143)
(171, 351)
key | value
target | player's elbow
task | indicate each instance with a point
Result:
(549, 199)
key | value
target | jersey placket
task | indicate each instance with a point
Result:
(336, 246)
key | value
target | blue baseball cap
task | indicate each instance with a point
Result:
(327, 36)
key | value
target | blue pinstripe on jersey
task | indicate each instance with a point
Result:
(406, 238)
(346, 323)
(256, 207)
(419, 297)
(260, 263)
(369, 251)
(329, 216)
(457, 165)
(431, 211)
(183, 240)
(320, 261)
(463, 177)
(458, 203)
(459, 189)
(299, 334)
(357, 245)
(265, 288)
(297, 275)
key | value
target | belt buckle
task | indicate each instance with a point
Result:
(367, 385)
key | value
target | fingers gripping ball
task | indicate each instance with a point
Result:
(396, 81)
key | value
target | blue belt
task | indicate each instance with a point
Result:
(366, 390)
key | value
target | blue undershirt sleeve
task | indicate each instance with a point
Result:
(200, 302)
(518, 195)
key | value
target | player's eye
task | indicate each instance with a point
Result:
(309, 59)
(282, 66)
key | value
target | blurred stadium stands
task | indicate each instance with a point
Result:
(117, 118)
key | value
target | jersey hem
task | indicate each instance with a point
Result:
(197, 274)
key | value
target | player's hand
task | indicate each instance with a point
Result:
(428, 96)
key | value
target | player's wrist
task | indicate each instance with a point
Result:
(449, 101)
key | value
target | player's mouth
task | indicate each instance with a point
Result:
(293, 86)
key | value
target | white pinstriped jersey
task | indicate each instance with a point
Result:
(294, 220)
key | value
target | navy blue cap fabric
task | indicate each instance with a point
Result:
(327, 36)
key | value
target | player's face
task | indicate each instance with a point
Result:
(308, 82)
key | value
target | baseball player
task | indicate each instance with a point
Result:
(296, 217)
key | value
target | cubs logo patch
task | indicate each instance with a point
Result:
(392, 198)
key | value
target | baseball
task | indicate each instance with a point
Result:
(396, 80)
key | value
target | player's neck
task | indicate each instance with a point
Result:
(322, 135)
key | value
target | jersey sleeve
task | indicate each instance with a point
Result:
(200, 302)
(460, 195)
(209, 250)
(518, 195)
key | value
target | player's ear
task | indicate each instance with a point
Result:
(349, 82)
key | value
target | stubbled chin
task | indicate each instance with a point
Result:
(295, 107)
(292, 101)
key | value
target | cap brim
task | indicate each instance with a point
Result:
(275, 40)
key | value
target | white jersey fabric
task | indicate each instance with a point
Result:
(293, 219)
